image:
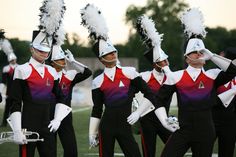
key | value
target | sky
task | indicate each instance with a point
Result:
(20, 17)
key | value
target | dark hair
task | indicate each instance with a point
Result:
(230, 53)
(2, 34)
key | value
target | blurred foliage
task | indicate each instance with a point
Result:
(165, 14)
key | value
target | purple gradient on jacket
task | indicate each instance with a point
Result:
(116, 90)
(194, 91)
(41, 88)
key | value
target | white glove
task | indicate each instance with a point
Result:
(15, 123)
(133, 118)
(61, 111)
(233, 87)
(93, 131)
(207, 55)
(73, 64)
(227, 96)
(135, 105)
(143, 108)
(93, 140)
(162, 116)
(220, 61)
(54, 125)
(69, 56)
(19, 138)
(173, 122)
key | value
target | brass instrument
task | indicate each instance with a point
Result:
(9, 136)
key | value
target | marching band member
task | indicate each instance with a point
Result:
(150, 124)
(114, 88)
(34, 86)
(224, 114)
(70, 73)
(7, 74)
(196, 92)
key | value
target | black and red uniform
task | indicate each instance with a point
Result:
(150, 124)
(68, 79)
(196, 93)
(225, 122)
(7, 78)
(115, 88)
(33, 89)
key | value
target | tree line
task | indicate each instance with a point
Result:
(165, 14)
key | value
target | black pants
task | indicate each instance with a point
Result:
(67, 137)
(196, 132)
(6, 112)
(225, 125)
(150, 128)
(36, 118)
(114, 126)
(45, 148)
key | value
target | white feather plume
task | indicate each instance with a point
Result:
(149, 29)
(52, 13)
(60, 35)
(193, 21)
(94, 21)
(6, 47)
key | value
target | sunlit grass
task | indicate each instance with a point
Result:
(81, 122)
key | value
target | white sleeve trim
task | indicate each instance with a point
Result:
(97, 82)
(146, 75)
(173, 77)
(70, 74)
(130, 72)
(22, 71)
(212, 73)
(227, 96)
(53, 72)
(6, 69)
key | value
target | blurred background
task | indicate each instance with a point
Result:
(20, 18)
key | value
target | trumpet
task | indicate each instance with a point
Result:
(9, 136)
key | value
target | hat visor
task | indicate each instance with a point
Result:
(41, 48)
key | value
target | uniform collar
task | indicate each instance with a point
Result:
(39, 67)
(35, 63)
(159, 76)
(194, 72)
(110, 72)
(13, 65)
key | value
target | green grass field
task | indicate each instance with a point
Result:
(81, 121)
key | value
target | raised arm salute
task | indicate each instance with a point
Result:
(196, 92)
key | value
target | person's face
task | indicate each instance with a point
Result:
(38, 55)
(13, 61)
(222, 53)
(109, 60)
(195, 60)
(59, 64)
(159, 65)
(110, 56)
